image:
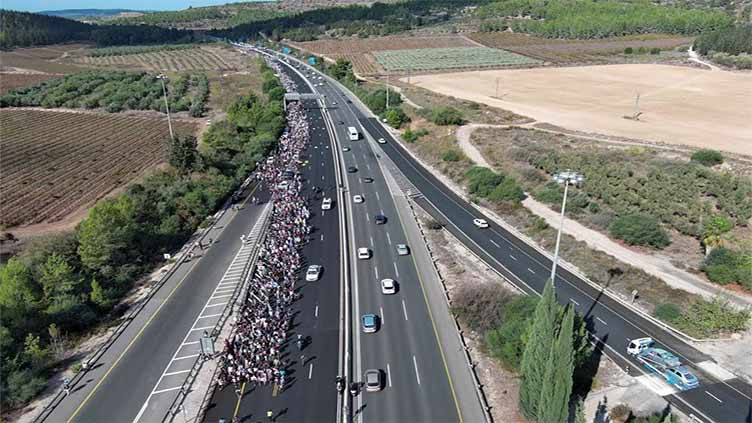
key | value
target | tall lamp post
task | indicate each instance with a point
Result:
(162, 77)
(567, 178)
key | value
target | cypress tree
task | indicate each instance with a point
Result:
(537, 352)
(554, 400)
(579, 412)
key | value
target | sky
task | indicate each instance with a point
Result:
(39, 5)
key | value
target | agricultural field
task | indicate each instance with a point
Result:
(13, 80)
(562, 51)
(66, 161)
(450, 58)
(41, 59)
(198, 58)
(678, 105)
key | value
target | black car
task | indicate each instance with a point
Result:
(367, 180)
(380, 219)
(352, 169)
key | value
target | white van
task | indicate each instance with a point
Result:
(639, 345)
(353, 133)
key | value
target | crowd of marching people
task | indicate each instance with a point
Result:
(253, 351)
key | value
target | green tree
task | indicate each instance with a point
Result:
(396, 117)
(537, 353)
(107, 234)
(639, 229)
(57, 277)
(20, 296)
(447, 116)
(707, 157)
(557, 383)
(579, 412)
(182, 153)
(35, 352)
(100, 296)
(508, 190)
(714, 231)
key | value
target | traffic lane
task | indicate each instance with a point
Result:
(123, 392)
(718, 401)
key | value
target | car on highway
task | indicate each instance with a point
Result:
(334, 103)
(352, 169)
(662, 356)
(481, 223)
(380, 219)
(364, 253)
(358, 199)
(381, 141)
(313, 273)
(374, 380)
(370, 323)
(342, 122)
(402, 250)
(367, 180)
(388, 286)
(681, 377)
(326, 204)
(345, 149)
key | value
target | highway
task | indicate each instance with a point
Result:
(720, 398)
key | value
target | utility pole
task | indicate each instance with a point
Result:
(497, 87)
(387, 89)
(162, 78)
(637, 105)
(566, 178)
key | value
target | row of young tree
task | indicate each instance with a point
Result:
(587, 19)
(64, 285)
(114, 91)
(22, 29)
(732, 40)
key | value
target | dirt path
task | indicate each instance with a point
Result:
(656, 265)
(693, 56)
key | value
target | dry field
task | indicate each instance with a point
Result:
(66, 161)
(11, 81)
(578, 51)
(679, 105)
(199, 58)
(41, 59)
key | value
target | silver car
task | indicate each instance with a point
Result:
(402, 250)
(374, 380)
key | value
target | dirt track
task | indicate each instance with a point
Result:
(679, 105)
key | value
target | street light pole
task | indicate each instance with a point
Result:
(162, 78)
(566, 178)
(387, 89)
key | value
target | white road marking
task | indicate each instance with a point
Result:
(714, 397)
(218, 304)
(211, 315)
(417, 374)
(601, 320)
(381, 310)
(371, 241)
(220, 296)
(310, 371)
(389, 374)
(322, 237)
(396, 272)
(177, 373)
(388, 238)
(190, 343)
(494, 243)
(376, 271)
(404, 309)
(166, 390)
(575, 302)
(377, 196)
(202, 328)
(316, 312)
(513, 257)
(184, 357)
(530, 270)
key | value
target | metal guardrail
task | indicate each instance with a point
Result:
(239, 292)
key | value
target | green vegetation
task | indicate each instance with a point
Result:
(587, 19)
(496, 187)
(447, 116)
(741, 61)
(639, 229)
(62, 286)
(724, 266)
(449, 58)
(733, 40)
(21, 29)
(126, 50)
(212, 16)
(703, 319)
(707, 157)
(114, 91)
(452, 155)
(411, 136)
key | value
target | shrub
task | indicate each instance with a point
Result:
(667, 312)
(708, 318)
(628, 50)
(409, 136)
(506, 343)
(447, 116)
(551, 193)
(655, 50)
(482, 180)
(725, 266)
(451, 155)
(434, 224)
(707, 157)
(620, 413)
(480, 305)
(639, 229)
(508, 190)
(396, 117)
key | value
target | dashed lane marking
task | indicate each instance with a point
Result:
(494, 243)
(404, 309)
(714, 397)
(417, 373)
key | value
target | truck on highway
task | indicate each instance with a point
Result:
(662, 363)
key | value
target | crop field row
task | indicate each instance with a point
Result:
(202, 58)
(67, 161)
(450, 58)
(368, 45)
(363, 64)
(568, 51)
(12, 81)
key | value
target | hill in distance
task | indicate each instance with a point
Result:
(86, 14)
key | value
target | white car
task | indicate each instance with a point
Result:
(388, 286)
(326, 204)
(402, 250)
(364, 253)
(481, 223)
(313, 273)
(358, 199)
(345, 149)
(381, 141)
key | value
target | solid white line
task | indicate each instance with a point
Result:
(224, 290)
(177, 373)
(377, 196)
(404, 309)
(220, 296)
(715, 397)
(211, 315)
(376, 271)
(371, 241)
(218, 304)
(381, 309)
(316, 312)
(513, 257)
(494, 243)
(184, 357)
(310, 371)
(190, 343)
(601, 320)
(530, 270)
(417, 374)
(389, 374)
(202, 328)
(227, 283)
(166, 390)
(575, 302)
(388, 238)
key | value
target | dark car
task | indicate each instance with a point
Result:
(367, 180)
(352, 169)
(380, 219)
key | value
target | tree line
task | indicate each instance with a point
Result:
(732, 40)
(587, 19)
(217, 16)
(22, 29)
(60, 287)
